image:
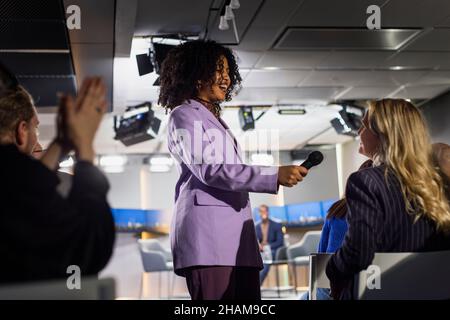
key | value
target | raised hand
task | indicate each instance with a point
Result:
(82, 116)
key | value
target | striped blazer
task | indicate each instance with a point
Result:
(378, 222)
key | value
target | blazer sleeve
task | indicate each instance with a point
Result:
(337, 231)
(278, 236)
(364, 220)
(323, 243)
(188, 143)
(79, 229)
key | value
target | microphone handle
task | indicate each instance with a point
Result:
(307, 164)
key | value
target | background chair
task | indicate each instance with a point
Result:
(280, 259)
(298, 254)
(156, 259)
(91, 289)
(405, 275)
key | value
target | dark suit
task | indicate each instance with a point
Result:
(378, 222)
(274, 239)
(42, 233)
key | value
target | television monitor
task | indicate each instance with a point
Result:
(308, 213)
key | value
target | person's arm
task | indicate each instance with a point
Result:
(78, 230)
(360, 242)
(278, 237)
(337, 231)
(86, 208)
(323, 243)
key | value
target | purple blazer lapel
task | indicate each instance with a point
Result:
(220, 124)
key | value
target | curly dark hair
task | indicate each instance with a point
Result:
(189, 63)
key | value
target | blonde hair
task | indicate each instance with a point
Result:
(406, 150)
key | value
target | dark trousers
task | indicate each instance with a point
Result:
(263, 273)
(223, 283)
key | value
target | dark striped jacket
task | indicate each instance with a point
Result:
(378, 222)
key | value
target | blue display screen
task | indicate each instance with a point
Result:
(308, 213)
(136, 218)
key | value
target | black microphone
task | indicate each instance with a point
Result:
(314, 158)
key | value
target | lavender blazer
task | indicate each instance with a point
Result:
(212, 223)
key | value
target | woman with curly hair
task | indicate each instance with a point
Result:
(213, 235)
(398, 205)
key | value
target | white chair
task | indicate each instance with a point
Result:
(298, 253)
(403, 275)
(156, 259)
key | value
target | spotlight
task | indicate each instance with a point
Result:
(160, 52)
(144, 63)
(223, 24)
(136, 125)
(246, 118)
(229, 15)
(234, 4)
(349, 120)
(152, 62)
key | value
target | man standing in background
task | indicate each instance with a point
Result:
(270, 235)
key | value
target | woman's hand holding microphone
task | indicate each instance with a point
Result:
(289, 176)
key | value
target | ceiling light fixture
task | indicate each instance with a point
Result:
(159, 168)
(113, 160)
(291, 111)
(229, 15)
(234, 4)
(223, 25)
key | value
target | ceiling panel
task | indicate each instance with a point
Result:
(345, 38)
(268, 23)
(325, 13)
(31, 9)
(42, 63)
(258, 38)
(414, 13)
(445, 23)
(372, 92)
(291, 59)
(354, 59)
(361, 78)
(419, 59)
(436, 40)
(44, 88)
(97, 21)
(434, 77)
(33, 34)
(94, 60)
(170, 16)
(274, 78)
(420, 92)
(247, 59)
(287, 95)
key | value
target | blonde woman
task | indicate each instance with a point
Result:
(399, 205)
